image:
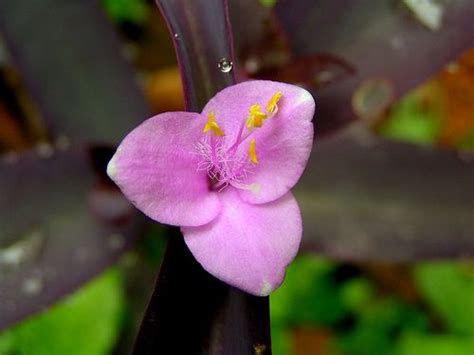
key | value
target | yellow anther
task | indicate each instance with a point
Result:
(212, 125)
(253, 152)
(272, 103)
(256, 116)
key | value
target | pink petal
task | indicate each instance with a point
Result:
(284, 142)
(248, 245)
(156, 168)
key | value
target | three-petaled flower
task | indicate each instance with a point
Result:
(224, 176)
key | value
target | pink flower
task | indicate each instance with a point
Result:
(224, 176)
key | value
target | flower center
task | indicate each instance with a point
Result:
(226, 165)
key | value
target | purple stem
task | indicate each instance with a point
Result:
(190, 311)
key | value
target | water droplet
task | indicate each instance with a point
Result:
(62, 143)
(225, 65)
(176, 36)
(32, 285)
(116, 241)
(372, 98)
(45, 150)
(27, 248)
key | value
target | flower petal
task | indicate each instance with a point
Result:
(282, 145)
(156, 168)
(248, 245)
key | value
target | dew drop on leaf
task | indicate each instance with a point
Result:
(225, 65)
(25, 249)
(32, 285)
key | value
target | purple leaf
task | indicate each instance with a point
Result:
(69, 58)
(264, 50)
(390, 50)
(190, 310)
(61, 225)
(364, 198)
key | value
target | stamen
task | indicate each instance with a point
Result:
(228, 166)
(272, 106)
(252, 151)
(256, 117)
(212, 125)
(223, 168)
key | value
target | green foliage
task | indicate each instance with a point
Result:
(7, 343)
(377, 325)
(381, 324)
(412, 121)
(449, 289)
(281, 339)
(357, 293)
(308, 295)
(135, 11)
(268, 3)
(86, 323)
(431, 344)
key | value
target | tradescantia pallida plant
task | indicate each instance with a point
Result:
(90, 97)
